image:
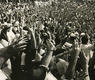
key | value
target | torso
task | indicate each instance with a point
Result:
(86, 50)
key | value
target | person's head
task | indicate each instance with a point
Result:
(3, 34)
(84, 39)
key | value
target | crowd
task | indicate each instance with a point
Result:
(34, 45)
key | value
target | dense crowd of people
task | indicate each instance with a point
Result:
(35, 46)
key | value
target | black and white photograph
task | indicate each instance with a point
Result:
(47, 39)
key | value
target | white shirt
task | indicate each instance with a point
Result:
(49, 76)
(2, 75)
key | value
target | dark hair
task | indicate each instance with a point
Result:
(84, 39)
(3, 34)
(72, 38)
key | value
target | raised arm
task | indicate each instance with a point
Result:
(13, 49)
(47, 58)
(32, 33)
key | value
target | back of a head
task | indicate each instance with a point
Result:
(84, 39)
(3, 34)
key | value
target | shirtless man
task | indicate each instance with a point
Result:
(86, 49)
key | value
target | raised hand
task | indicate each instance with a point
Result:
(76, 45)
(47, 58)
(20, 44)
(50, 45)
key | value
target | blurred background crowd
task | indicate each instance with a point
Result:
(69, 25)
